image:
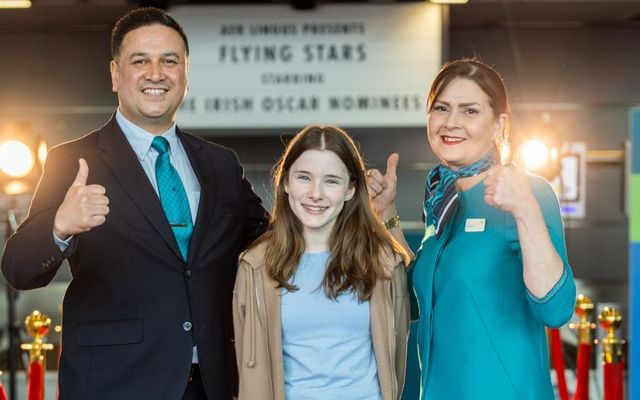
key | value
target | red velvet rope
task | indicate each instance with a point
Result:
(610, 381)
(3, 394)
(620, 379)
(36, 382)
(59, 355)
(582, 372)
(557, 358)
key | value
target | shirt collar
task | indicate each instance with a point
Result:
(140, 140)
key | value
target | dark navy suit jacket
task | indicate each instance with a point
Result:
(134, 308)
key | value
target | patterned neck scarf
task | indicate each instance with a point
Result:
(441, 195)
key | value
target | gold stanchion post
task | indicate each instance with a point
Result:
(613, 354)
(37, 325)
(584, 311)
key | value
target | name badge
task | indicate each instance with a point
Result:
(474, 225)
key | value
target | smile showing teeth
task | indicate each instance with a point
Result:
(451, 139)
(154, 91)
(314, 209)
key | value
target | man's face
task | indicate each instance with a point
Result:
(150, 76)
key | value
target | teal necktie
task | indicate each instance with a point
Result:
(173, 196)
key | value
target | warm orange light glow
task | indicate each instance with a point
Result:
(16, 159)
(16, 187)
(535, 154)
(42, 152)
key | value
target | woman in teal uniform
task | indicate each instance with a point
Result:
(492, 270)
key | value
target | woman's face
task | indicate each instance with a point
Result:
(461, 124)
(318, 185)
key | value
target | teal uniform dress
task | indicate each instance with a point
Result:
(480, 333)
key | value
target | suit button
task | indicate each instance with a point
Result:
(187, 326)
(188, 273)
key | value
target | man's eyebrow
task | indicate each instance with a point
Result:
(137, 54)
(143, 54)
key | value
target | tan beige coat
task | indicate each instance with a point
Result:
(258, 336)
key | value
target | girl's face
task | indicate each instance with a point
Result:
(461, 125)
(318, 185)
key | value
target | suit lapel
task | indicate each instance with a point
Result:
(206, 173)
(122, 161)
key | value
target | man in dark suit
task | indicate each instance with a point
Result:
(147, 314)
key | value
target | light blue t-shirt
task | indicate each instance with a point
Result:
(327, 347)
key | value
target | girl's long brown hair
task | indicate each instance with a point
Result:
(358, 239)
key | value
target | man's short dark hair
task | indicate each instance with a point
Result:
(143, 17)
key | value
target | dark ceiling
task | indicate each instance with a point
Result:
(100, 14)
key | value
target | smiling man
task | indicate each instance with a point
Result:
(149, 73)
(152, 221)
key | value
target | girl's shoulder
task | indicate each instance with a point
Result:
(254, 256)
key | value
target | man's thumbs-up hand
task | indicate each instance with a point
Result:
(84, 206)
(82, 175)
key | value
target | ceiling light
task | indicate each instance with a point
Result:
(15, 3)
(449, 1)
